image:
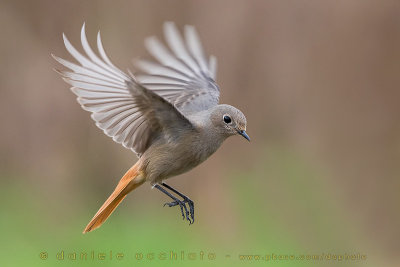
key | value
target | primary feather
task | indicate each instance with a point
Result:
(125, 110)
(182, 74)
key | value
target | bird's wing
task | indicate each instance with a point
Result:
(182, 75)
(125, 110)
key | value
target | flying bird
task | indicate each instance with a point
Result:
(168, 114)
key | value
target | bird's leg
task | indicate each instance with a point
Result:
(185, 200)
(175, 202)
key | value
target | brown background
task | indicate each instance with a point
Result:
(319, 84)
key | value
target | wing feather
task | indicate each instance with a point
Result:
(182, 75)
(125, 110)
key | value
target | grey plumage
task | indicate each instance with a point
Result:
(184, 78)
(168, 115)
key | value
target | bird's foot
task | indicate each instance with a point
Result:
(186, 214)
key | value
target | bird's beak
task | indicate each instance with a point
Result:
(244, 134)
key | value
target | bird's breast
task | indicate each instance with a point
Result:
(169, 159)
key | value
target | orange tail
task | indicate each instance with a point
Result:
(132, 179)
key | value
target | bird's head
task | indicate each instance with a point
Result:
(229, 121)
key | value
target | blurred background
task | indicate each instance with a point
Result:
(319, 84)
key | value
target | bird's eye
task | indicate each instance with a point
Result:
(227, 119)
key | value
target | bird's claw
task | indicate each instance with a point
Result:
(188, 215)
(171, 204)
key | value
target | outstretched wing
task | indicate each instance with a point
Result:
(182, 74)
(125, 110)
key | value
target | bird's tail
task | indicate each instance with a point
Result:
(131, 180)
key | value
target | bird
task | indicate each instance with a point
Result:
(167, 113)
